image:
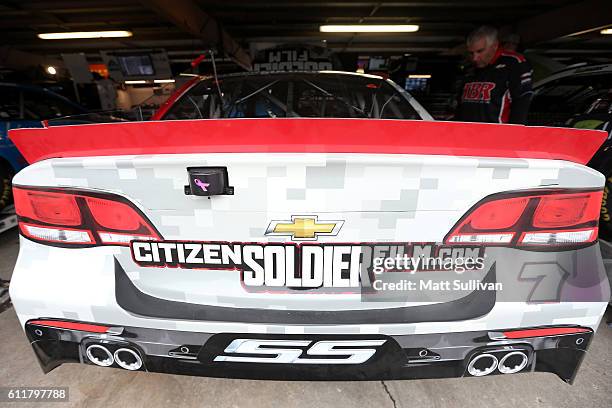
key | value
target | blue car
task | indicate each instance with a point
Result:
(24, 106)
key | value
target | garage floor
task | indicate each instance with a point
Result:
(97, 387)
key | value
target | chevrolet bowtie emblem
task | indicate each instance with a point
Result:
(304, 228)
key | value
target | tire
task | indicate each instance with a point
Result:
(605, 221)
(6, 191)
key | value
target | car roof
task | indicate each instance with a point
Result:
(265, 73)
(40, 89)
(582, 70)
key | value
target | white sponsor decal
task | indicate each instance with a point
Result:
(274, 265)
(288, 351)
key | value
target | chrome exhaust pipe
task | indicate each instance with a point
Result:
(513, 362)
(482, 364)
(99, 355)
(128, 359)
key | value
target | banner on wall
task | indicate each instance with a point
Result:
(295, 58)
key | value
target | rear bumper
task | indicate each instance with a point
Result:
(82, 286)
(399, 357)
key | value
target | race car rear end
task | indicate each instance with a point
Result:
(310, 248)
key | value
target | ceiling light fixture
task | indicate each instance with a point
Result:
(135, 82)
(363, 28)
(51, 70)
(84, 34)
(163, 81)
(607, 31)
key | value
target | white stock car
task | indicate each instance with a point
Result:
(275, 226)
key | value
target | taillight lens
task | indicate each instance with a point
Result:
(531, 219)
(113, 215)
(496, 215)
(48, 207)
(70, 218)
(566, 210)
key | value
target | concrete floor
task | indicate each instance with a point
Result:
(97, 387)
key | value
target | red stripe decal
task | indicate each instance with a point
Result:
(92, 328)
(554, 331)
(508, 53)
(309, 136)
(505, 108)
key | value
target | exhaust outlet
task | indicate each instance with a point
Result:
(99, 355)
(482, 364)
(128, 359)
(513, 362)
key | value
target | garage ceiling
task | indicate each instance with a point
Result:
(557, 28)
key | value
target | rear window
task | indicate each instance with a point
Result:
(19, 104)
(43, 105)
(294, 95)
(556, 102)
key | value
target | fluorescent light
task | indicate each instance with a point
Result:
(607, 31)
(84, 34)
(417, 76)
(51, 70)
(363, 28)
(163, 81)
(136, 82)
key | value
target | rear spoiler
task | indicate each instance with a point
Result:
(297, 135)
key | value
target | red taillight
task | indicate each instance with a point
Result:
(531, 218)
(52, 208)
(496, 215)
(566, 210)
(80, 218)
(113, 215)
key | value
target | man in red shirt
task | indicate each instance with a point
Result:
(498, 88)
